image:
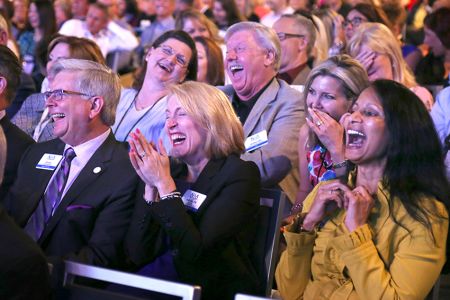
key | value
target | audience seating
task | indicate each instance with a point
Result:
(77, 291)
(265, 251)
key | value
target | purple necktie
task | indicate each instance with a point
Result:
(51, 198)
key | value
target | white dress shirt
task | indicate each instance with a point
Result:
(110, 39)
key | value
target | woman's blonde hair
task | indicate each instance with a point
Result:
(379, 38)
(212, 110)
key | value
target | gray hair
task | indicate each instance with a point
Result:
(93, 79)
(265, 37)
(304, 26)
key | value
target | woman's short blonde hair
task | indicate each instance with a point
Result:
(212, 110)
(380, 39)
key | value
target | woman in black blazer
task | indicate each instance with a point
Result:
(197, 222)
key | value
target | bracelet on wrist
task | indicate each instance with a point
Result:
(172, 195)
(296, 208)
(341, 164)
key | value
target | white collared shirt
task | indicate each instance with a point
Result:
(2, 114)
(83, 153)
(110, 39)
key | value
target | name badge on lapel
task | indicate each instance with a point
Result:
(256, 141)
(193, 200)
(49, 161)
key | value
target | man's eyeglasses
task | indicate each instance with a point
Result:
(282, 35)
(168, 51)
(58, 95)
(355, 22)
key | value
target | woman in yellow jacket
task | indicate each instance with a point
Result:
(382, 235)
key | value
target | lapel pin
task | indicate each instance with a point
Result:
(97, 170)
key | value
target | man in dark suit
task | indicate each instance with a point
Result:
(17, 141)
(74, 195)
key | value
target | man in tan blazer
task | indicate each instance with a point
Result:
(270, 111)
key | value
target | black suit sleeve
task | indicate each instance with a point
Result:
(233, 206)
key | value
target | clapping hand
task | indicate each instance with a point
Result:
(153, 167)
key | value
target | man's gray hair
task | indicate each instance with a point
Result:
(304, 26)
(264, 36)
(93, 79)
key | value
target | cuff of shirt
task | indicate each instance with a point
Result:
(297, 243)
(353, 240)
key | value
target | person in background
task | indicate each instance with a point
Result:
(246, 9)
(226, 14)
(33, 44)
(363, 13)
(193, 225)
(434, 68)
(26, 86)
(330, 90)
(270, 110)
(98, 27)
(164, 22)
(197, 24)
(16, 141)
(278, 8)
(389, 221)
(33, 117)
(63, 11)
(297, 37)
(377, 49)
(172, 59)
(19, 19)
(80, 9)
(210, 62)
(440, 113)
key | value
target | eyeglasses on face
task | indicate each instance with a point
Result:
(168, 51)
(282, 35)
(355, 22)
(58, 95)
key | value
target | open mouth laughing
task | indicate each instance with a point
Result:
(355, 138)
(177, 138)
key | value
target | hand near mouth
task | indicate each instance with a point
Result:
(328, 131)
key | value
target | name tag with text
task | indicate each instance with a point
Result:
(49, 161)
(192, 200)
(256, 141)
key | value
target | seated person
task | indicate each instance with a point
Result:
(330, 91)
(297, 37)
(33, 117)
(367, 238)
(194, 225)
(377, 49)
(74, 195)
(270, 111)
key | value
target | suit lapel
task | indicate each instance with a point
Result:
(205, 182)
(101, 159)
(42, 179)
(263, 102)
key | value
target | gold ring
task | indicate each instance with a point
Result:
(318, 123)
